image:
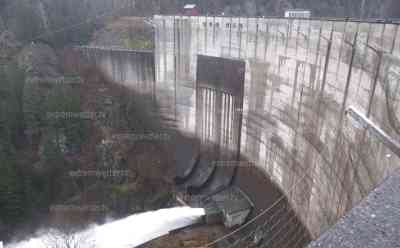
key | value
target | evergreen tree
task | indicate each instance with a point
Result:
(11, 188)
(12, 204)
(66, 99)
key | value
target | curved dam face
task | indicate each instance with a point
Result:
(300, 78)
(131, 68)
(301, 75)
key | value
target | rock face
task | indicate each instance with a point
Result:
(39, 61)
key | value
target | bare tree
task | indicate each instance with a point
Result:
(67, 238)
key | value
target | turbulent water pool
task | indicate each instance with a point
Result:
(131, 231)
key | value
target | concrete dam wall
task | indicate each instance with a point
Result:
(131, 68)
(300, 78)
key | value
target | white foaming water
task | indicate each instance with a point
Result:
(128, 232)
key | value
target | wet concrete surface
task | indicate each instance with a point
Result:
(266, 195)
(375, 222)
(186, 156)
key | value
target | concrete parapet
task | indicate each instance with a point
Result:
(374, 223)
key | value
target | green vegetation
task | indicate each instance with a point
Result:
(69, 23)
(138, 37)
(57, 22)
(27, 185)
(12, 198)
(138, 43)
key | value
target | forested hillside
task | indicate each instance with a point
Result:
(334, 8)
(34, 19)
(61, 22)
(331, 8)
(52, 124)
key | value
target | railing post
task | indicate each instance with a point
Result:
(346, 91)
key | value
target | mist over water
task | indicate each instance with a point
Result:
(131, 231)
